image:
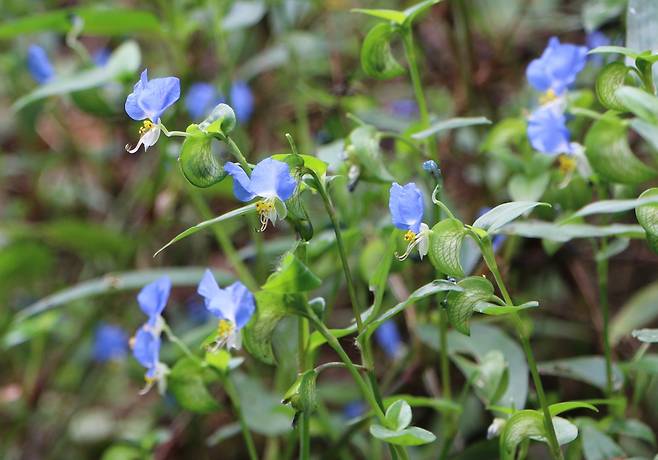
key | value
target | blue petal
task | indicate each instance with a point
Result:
(557, 67)
(153, 298)
(271, 178)
(110, 343)
(146, 348)
(241, 182)
(208, 287)
(406, 206)
(222, 306)
(150, 99)
(101, 57)
(547, 131)
(242, 101)
(38, 64)
(388, 337)
(200, 99)
(243, 299)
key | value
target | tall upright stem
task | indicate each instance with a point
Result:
(414, 73)
(490, 260)
(356, 308)
(444, 359)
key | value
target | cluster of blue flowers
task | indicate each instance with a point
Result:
(233, 306)
(553, 73)
(203, 96)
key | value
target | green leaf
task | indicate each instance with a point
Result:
(96, 21)
(641, 103)
(523, 187)
(615, 206)
(640, 310)
(292, 276)
(609, 155)
(648, 131)
(492, 377)
(398, 415)
(244, 13)
(411, 436)
(377, 60)
(504, 213)
(599, 446)
(271, 307)
(200, 166)
(559, 408)
(411, 13)
(487, 308)
(452, 123)
(588, 369)
(633, 54)
(646, 335)
(390, 15)
(445, 247)
(207, 223)
(647, 363)
(186, 383)
(565, 232)
(611, 78)
(461, 305)
(647, 216)
(30, 329)
(123, 61)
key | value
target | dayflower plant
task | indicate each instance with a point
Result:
(233, 305)
(547, 130)
(147, 102)
(407, 209)
(153, 298)
(270, 180)
(39, 65)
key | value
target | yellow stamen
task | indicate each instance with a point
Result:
(409, 236)
(131, 342)
(146, 125)
(224, 328)
(566, 163)
(547, 97)
(264, 208)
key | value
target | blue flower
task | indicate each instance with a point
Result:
(39, 65)
(110, 343)
(234, 306)
(406, 206)
(242, 101)
(547, 130)
(557, 68)
(201, 98)
(146, 350)
(153, 298)
(148, 101)
(270, 180)
(406, 108)
(388, 337)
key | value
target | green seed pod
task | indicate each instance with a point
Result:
(221, 120)
(301, 395)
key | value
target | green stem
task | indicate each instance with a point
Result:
(237, 153)
(602, 276)
(414, 73)
(445, 361)
(490, 260)
(224, 242)
(237, 408)
(356, 308)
